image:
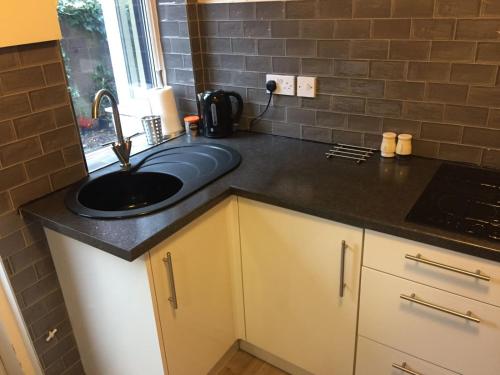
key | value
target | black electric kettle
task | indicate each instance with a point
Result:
(217, 113)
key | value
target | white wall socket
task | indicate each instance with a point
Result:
(306, 87)
(285, 85)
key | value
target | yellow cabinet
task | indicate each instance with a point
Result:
(193, 282)
(294, 269)
(28, 21)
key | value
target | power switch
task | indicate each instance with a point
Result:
(306, 87)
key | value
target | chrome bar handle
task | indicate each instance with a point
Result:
(405, 369)
(170, 274)
(466, 316)
(420, 259)
(343, 248)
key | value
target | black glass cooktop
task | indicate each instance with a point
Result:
(461, 199)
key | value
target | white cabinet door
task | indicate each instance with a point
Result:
(291, 281)
(204, 325)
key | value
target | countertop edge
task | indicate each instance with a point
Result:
(131, 254)
(288, 183)
(422, 236)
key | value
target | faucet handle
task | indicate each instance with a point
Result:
(107, 144)
(114, 142)
(134, 135)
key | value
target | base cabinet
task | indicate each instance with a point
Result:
(431, 303)
(123, 321)
(192, 275)
(292, 266)
(289, 285)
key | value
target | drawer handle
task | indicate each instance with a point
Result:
(420, 259)
(343, 248)
(467, 315)
(170, 273)
(403, 368)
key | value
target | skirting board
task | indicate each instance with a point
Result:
(272, 359)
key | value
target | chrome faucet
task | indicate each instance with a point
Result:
(123, 146)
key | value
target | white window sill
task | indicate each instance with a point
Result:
(105, 156)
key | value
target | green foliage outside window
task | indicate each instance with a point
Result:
(86, 14)
(103, 79)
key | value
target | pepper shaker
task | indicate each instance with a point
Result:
(388, 146)
(403, 147)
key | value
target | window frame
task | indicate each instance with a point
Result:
(130, 108)
(117, 48)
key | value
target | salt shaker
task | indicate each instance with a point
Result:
(388, 146)
(403, 147)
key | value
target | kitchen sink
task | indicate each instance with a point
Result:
(155, 182)
(121, 191)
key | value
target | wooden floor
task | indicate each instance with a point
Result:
(246, 364)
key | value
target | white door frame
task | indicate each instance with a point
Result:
(16, 349)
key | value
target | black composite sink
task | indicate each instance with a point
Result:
(121, 191)
(159, 180)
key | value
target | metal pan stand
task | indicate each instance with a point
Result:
(357, 153)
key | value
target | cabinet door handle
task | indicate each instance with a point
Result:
(467, 315)
(170, 274)
(343, 248)
(405, 369)
(420, 259)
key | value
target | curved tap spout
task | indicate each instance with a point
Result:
(123, 146)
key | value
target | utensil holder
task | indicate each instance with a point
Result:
(152, 128)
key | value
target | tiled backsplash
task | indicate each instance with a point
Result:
(39, 152)
(426, 67)
(181, 51)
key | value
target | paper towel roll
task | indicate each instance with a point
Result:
(162, 101)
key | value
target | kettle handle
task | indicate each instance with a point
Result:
(239, 99)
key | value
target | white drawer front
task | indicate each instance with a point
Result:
(373, 358)
(435, 336)
(387, 253)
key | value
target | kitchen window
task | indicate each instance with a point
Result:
(111, 44)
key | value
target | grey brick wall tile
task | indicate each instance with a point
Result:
(394, 63)
(320, 102)
(331, 119)
(458, 8)
(441, 132)
(401, 126)
(455, 152)
(433, 29)
(317, 66)
(368, 124)
(286, 129)
(317, 134)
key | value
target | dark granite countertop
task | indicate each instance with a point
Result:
(285, 172)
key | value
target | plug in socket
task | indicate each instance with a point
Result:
(285, 85)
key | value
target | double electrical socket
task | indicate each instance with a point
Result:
(285, 85)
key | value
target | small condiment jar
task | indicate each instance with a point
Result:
(191, 123)
(403, 147)
(388, 146)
